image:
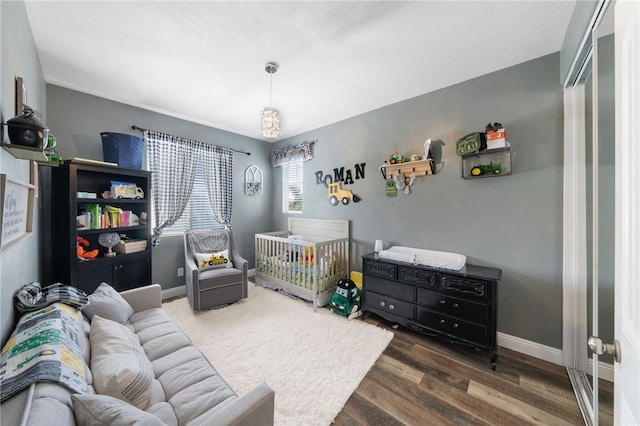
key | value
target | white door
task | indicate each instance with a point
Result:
(627, 233)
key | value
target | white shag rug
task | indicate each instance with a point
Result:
(313, 361)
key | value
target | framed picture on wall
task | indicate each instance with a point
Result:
(16, 211)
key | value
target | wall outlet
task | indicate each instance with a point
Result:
(180, 272)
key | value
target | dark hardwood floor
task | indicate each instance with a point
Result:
(422, 380)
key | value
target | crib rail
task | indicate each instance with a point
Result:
(312, 267)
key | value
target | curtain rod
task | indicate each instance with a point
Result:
(134, 127)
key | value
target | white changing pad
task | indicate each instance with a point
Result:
(435, 259)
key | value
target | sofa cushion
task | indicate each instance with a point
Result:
(163, 411)
(107, 303)
(92, 410)
(159, 335)
(119, 364)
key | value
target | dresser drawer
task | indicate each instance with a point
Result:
(379, 269)
(390, 288)
(455, 327)
(388, 304)
(467, 287)
(451, 305)
(419, 277)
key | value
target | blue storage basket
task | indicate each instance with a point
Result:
(126, 150)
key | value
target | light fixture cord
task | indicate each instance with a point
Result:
(270, 87)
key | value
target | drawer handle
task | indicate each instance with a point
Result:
(442, 302)
(455, 325)
(441, 321)
(455, 305)
(382, 304)
(392, 307)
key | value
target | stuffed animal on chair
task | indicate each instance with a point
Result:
(346, 299)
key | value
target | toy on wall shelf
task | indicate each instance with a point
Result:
(337, 193)
(486, 169)
(402, 173)
(397, 158)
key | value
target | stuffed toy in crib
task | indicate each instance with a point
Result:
(346, 299)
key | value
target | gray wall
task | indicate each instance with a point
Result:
(510, 222)
(20, 263)
(77, 120)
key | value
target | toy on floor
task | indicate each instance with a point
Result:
(81, 252)
(346, 299)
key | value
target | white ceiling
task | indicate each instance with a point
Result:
(204, 61)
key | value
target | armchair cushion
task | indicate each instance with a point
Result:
(215, 260)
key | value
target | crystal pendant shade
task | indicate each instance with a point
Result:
(270, 122)
(270, 119)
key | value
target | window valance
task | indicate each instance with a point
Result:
(288, 153)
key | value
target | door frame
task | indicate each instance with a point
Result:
(575, 327)
(627, 202)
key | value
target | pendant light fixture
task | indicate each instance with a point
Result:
(270, 124)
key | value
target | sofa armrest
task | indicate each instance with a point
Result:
(143, 298)
(255, 408)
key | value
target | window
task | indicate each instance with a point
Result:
(197, 214)
(292, 187)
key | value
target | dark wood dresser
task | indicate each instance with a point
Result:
(459, 306)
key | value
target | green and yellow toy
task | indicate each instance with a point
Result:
(346, 299)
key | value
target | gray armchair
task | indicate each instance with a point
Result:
(210, 279)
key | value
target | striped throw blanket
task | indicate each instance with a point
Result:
(32, 296)
(44, 347)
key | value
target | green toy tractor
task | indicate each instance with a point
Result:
(484, 169)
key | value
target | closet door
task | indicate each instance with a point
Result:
(590, 217)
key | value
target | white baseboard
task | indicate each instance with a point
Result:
(605, 371)
(178, 291)
(546, 353)
(530, 348)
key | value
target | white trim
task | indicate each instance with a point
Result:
(547, 353)
(605, 371)
(178, 291)
(527, 347)
(574, 302)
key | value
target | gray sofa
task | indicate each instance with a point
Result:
(183, 387)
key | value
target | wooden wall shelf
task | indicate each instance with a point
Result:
(418, 168)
